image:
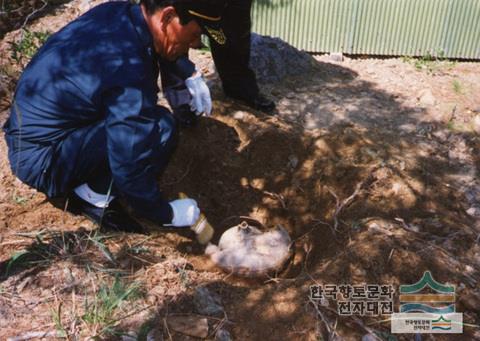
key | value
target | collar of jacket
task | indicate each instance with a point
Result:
(141, 27)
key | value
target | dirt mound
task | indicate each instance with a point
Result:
(273, 60)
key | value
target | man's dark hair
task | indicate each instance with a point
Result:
(153, 5)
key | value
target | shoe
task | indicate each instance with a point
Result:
(185, 117)
(113, 217)
(257, 102)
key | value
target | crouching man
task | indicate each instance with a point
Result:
(85, 124)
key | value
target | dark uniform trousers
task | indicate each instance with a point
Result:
(232, 58)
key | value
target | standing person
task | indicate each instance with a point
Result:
(232, 58)
(85, 123)
(230, 45)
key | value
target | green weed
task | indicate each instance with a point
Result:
(430, 62)
(19, 200)
(102, 315)
(16, 260)
(427, 62)
(23, 50)
(457, 87)
(98, 241)
(39, 253)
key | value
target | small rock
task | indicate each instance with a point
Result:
(207, 303)
(379, 226)
(239, 115)
(426, 98)
(189, 325)
(223, 335)
(336, 56)
(130, 336)
(474, 211)
(469, 269)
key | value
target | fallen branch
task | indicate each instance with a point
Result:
(33, 335)
(45, 3)
(341, 204)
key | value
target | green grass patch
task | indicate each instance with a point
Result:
(104, 312)
(24, 49)
(430, 62)
(457, 87)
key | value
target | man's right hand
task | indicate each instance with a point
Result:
(185, 212)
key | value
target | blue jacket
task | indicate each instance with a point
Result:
(100, 67)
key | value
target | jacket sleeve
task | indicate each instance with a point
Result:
(132, 140)
(174, 75)
(183, 67)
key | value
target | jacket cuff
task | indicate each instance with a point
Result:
(159, 212)
(184, 68)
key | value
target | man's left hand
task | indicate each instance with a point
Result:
(201, 101)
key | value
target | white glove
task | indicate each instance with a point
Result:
(201, 101)
(185, 212)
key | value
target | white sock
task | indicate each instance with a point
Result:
(96, 199)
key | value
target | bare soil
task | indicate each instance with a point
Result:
(370, 164)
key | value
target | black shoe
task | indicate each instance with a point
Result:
(185, 117)
(111, 218)
(257, 102)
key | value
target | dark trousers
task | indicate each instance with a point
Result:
(232, 58)
(82, 157)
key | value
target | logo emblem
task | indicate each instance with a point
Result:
(427, 312)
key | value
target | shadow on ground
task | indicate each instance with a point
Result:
(364, 185)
